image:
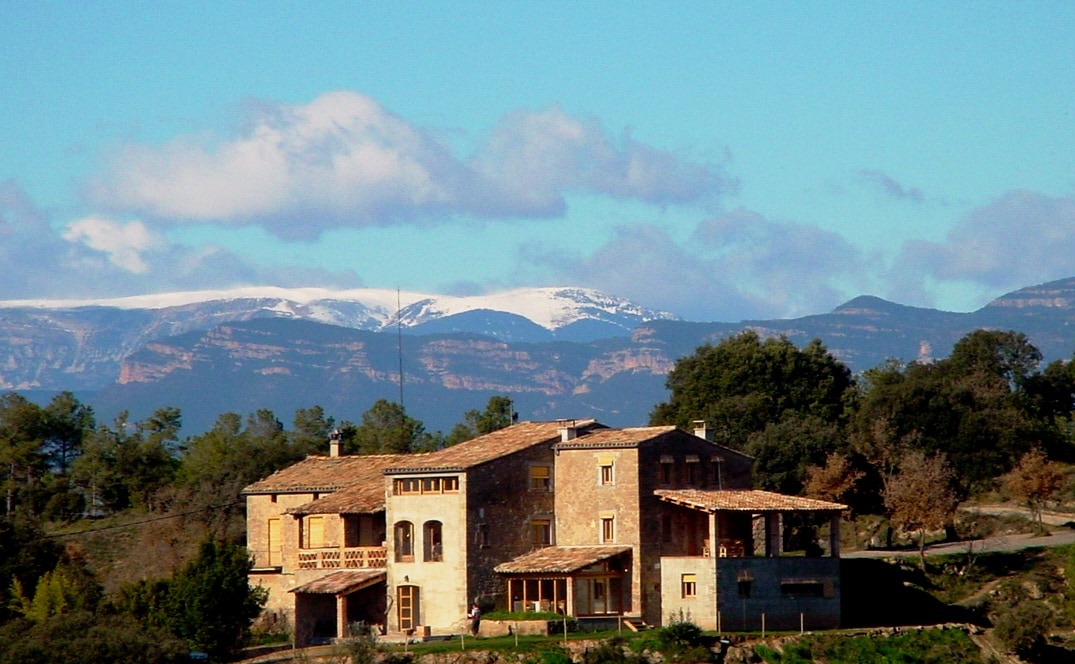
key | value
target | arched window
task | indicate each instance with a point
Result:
(433, 542)
(404, 542)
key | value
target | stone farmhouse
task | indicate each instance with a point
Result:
(643, 524)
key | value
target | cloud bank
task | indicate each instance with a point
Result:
(343, 160)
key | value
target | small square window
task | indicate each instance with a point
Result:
(689, 585)
(541, 532)
(540, 478)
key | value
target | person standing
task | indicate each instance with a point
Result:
(475, 616)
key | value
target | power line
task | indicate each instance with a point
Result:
(144, 521)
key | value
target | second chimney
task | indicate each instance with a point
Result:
(334, 443)
(568, 431)
(702, 431)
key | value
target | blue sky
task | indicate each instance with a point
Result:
(721, 160)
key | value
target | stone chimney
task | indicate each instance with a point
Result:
(702, 431)
(334, 443)
(568, 431)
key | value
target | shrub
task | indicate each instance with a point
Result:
(679, 635)
(1023, 628)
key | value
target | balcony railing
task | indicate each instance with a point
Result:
(357, 557)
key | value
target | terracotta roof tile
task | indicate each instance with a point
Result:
(630, 437)
(322, 473)
(493, 445)
(745, 501)
(342, 582)
(559, 559)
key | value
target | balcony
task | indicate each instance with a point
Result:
(358, 557)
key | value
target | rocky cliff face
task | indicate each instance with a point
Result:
(208, 359)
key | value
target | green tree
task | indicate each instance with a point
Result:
(310, 430)
(973, 407)
(743, 384)
(25, 556)
(129, 464)
(67, 422)
(87, 638)
(387, 429)
(70, 587)
(210, 603)
(498, 413)
(22, 432)
(785, 450)
(219, 463)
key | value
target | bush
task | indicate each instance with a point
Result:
(679, 635)
(85, 638)
(1023, 628)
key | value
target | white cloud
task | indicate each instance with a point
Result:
(344, 160)
(735, 266)
(1021, 239)
(123, 243)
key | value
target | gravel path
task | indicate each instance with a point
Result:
(1059, 537)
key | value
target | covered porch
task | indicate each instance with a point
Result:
(325, 608)
(749, 523)
(581, 581)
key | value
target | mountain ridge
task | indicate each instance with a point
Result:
(606, 362)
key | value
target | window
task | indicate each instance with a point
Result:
(689, 585)
(433, 542)
(802, 588)
(608, 529)
(667, 468)
(605, 476)
(692, 469)
(272, 542)
(540, 478)
(541, 532)
(482, 535)
(409, 486)
(718, 480)
(404, 542)
(315, 532)
(745, 580)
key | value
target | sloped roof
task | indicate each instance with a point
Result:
(629, 437)
(635, 436)
(342, 583)
(559, 559)
(490, 446)
(329, 474)
(322, 473)
(367, 496)
(745, 501)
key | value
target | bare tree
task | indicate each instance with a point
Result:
(920, 495)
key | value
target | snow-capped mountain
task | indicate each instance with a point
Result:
(551, 309)
(80, 344)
